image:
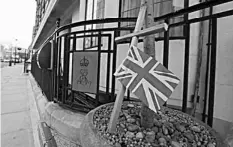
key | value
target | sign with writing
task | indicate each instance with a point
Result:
(85, 69)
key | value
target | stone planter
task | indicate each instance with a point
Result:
(90, 137)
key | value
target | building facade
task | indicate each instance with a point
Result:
(73, 11)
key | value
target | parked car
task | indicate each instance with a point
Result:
(6, 60)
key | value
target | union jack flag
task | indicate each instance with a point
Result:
(148, 79)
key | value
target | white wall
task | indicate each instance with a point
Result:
(111, 8)
(79, 15)
(223, 99)
(224, 66)
(176, 65)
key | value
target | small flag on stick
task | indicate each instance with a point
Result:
(148, 79)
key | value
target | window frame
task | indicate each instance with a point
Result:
(93, 40)
(125, 8)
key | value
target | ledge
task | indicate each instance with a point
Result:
(63, 121)
(56, 9)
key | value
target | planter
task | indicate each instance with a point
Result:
(171, 128)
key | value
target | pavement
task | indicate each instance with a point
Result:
(3, 64)
(21, 123)
(16, 122)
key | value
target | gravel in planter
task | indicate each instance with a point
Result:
(171, 129)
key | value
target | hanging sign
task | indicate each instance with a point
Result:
(85, 69)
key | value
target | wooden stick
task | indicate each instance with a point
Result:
(199, 62)
(148, 31)
(120, 96)
(149, 48)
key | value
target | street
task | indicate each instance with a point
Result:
(16, 129)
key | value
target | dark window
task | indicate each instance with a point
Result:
(94, 10)
(130, 8)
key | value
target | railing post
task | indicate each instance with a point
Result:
(186, 60)
(55, 60)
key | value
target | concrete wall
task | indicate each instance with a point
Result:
(223, 110)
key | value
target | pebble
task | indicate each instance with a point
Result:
(138, 123)
(150, 136)
(129, 134)
(133, 128)
(189, 136)
(196, 137)
(210, 145)
(130, 105)
(172, 120)
(154, 144)
(157, 123)
(127, 115)
(180, 128)
(121, 130)
(175, 144)
(131, 120)
(196, 129)
(162, 140)
(165, 118)
(122, 125)
(159, 135)
(139, 135)
(198, 143)
(157, 116)
(124, 106)
(155, 129)
(184, 124)
(132, 111)
(165, 130)
(170, 130)
(117, 145)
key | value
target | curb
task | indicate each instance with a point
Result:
(63, 125)
(35, 118)
(41, 133)
(45, 135)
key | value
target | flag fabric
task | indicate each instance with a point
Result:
(148, 79)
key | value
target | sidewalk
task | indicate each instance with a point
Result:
(16, 124)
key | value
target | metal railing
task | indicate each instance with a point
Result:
(54, 82)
